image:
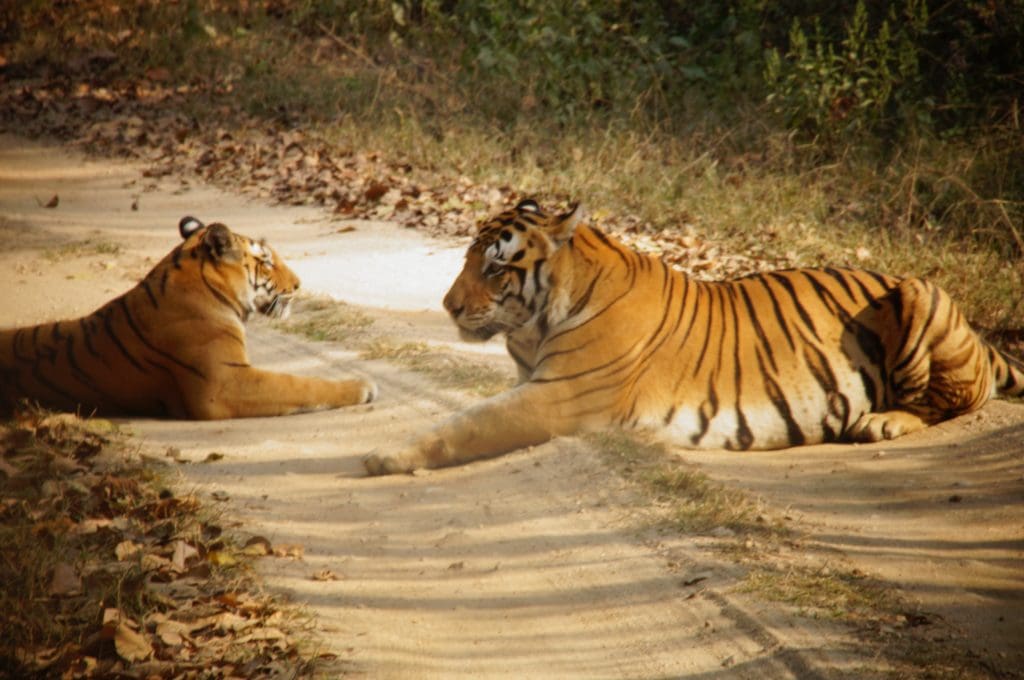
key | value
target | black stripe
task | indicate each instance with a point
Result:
(87, 337)
(233, 304)
(871, 389)
(588, 371)
(711, 403)
(16, 347)
(107, 315)
(840, 277)
(788, 286)
(578, 348)
(827, 297)
(611, 246)
(707, 331)
(670, 415)
(558, 335)
(744, 437)
(578, 306)
(761, 336)
(142, 338)
(152, 298)
(925, 326)
(794, 434)
(873, 298)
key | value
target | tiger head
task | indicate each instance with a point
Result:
(250, 271)
(507, 275)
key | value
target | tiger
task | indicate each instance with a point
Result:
(604, 336)
(174, 346)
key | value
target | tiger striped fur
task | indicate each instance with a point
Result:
(174, 345)
(605, 336)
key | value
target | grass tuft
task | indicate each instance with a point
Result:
(323, 319)
(694, 503)
(445, 367)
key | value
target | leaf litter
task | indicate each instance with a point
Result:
(145, 120)
(108, 572)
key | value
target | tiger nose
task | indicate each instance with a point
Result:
(452, 305)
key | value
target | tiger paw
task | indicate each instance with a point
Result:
(380, 464)
(368, 392)
(876, 427)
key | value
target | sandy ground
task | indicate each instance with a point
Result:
(540, 563)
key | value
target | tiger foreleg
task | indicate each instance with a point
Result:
(525, 416)
(248, 392)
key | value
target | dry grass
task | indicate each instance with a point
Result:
(821, 591)
(323, 319)
(691, 501)
(440, 365)
(85, 248)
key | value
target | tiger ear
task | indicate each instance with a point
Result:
(528, 205)
(218, 242)
(564, 226)
(188, 226)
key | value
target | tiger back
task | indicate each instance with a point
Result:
(605, 336)
(175, 344)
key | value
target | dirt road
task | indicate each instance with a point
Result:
(542, 563)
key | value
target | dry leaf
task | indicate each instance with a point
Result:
(114, 616)
(221, 558)
(65, 580)
(324, 575)
(182, 553)
(126, 549)
(131, 646)
(7, 468)
(92, 524)
(174, 632)
(289, 550)
(257, 545)
(265, 633)
(151, 562)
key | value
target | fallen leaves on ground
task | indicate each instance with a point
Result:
(108, 572)
(145, 120)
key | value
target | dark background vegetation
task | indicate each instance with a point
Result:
(878, 134)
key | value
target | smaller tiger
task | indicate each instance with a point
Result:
(174, 345)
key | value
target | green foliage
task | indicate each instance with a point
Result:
(867, 81)
(898, 70)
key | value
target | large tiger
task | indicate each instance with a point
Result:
(605, 336)
(174, 345)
